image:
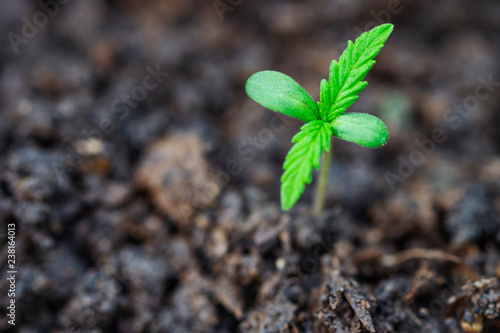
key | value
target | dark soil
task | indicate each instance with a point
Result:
(143, 184)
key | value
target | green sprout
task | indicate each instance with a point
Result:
(279, 92)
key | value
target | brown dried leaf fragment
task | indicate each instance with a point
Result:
(390, 260)
(338, 286)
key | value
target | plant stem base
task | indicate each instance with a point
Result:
(320, 197)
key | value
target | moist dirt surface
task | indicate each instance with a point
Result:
(139, 185)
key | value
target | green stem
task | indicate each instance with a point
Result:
(322, 185)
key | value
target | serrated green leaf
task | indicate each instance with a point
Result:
(346, 76)
(313, 138)
(361, 128)
(279, 92)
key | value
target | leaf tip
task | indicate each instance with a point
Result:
(285, 207)
(286, 202)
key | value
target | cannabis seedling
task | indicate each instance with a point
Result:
(280, 93)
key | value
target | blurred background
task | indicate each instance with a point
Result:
(142, 184)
